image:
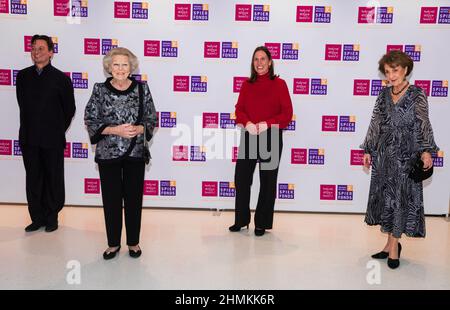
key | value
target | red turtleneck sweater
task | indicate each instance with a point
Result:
(264, 100)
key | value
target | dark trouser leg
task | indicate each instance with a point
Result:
(34, 182)
(268, 175)
(53, 195)
(133, 186)
(111, 182)
(243, 179)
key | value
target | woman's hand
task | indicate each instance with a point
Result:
(251, 128)
(262, 126)
(427, 160)
(367, 160)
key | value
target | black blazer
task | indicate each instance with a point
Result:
(47, 106)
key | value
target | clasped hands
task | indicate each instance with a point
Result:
(256, 129)
(425, 157)
(128, 130)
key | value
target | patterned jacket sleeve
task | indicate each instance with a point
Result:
(92, 116)
(424, 132)
(370, 142)
(149, 118)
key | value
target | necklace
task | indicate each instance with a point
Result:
(395, 94)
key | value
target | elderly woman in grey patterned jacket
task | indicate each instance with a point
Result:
(116, 116)
(399, 134)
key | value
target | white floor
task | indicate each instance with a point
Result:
(194, 250)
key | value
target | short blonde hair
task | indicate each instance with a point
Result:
(132, 59)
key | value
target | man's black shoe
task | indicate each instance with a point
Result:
(51, 227)
(33, 227)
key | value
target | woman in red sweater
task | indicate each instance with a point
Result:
(263, 109)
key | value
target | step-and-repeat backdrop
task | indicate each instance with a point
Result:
(195, 56)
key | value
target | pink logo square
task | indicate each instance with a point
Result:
(91, 186)
(152, 48)
(67, 150)
(361, 87)
(327, 192)
(333, 51)
(428, 15)
(61, 7)
(301, 86)
(237, 83)
(210, 120)
(329, 122)
(356, 157)
(209, 189)
(5, 147)
(366, 15)
(425, 85)
(91, 46)
(151, 187)
(5, 77)
(122, 9)
(27, 43)
(235, 154)
(274, 49)
(243, 12)
(304, 14)
(180, 153)
(4, 6)
(298, 156)
(181, 83)
(392, 47)
(211, 50)
(182, 11)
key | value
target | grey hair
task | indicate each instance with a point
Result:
(132, 59)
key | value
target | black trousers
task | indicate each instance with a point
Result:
(254, 149)
(122, 187)
(44, 169)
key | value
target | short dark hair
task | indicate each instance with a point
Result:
(271, 67)
(45, 38)
(394, 59)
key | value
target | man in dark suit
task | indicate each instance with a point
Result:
(47, 106)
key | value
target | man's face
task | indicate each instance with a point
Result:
(40, 53)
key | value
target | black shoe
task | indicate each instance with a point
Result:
(33, 227)
(135, 254)
(236, 227)
(381, 255)
(259, 231)
(109, 255)
(51, 227)
(394, 263)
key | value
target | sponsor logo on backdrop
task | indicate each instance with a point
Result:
(154, 48)
(316, 156)
(167, 119)
(167, 188)
(67, 150)
(346, 123)
(345, 52)
(131, 10)
(227, 120)
(376, 15)
(5, 147)
(237, 83)
(209, 189)
(162, 188)
(306, 86)
(198, 153)
(80, 80)
(213, 50)
(299, 156)
(91, 186)
(198, 84)
(321, 14)
(210, 120)
(303, 156)
(18, 7)
(425, 85)
(234, 154)
(435, 88)
(5, 77)
(92, 46)
(286, 191)
(195, 12)
(336, 192)
(256, 13)
(412, 50)
(285, 51)
(438, 159)
(430, 15)
(140, 77)
(292, 124)
(74, 8)
(377, 86)
(80, 150)
(356, 157)
(218, 189)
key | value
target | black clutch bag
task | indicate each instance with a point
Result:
(417, 173)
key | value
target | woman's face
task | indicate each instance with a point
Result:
(395, 75)
(120, 67)
(261, 62)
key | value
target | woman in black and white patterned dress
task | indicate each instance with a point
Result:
(118, 112)
(399, 132)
